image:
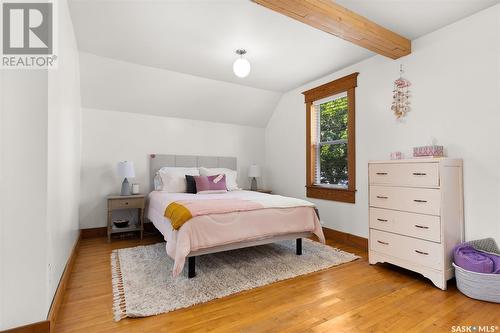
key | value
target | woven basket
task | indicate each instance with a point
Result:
(484, 287)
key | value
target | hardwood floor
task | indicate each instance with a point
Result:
(354, 297)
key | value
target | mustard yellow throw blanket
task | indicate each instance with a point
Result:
(178, 214)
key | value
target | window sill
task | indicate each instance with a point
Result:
(333, 194)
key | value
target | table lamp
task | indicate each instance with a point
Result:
(125, 170)
(254, 172)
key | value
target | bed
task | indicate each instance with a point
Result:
(213, 233)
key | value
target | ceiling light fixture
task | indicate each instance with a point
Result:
(241, 66)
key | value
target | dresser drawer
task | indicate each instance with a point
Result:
(422, 226)
(414, 250)
(405, 174)
(417, 200)
(126, 203)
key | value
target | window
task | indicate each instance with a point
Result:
(330, 140)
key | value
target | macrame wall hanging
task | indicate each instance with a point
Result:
(401, 94)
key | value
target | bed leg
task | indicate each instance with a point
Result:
(298, 249)
(191, 267)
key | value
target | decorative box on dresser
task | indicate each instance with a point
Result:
(416, 214)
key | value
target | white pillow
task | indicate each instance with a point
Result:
(174, 178)
(231, 176)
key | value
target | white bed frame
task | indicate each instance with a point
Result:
(157, 161)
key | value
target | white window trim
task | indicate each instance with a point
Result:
(317, 171)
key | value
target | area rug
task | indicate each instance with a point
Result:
(143, 284)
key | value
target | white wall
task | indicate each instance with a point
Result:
(455, 74)
(24, 194)
(112, 136)
(64, 150)
(2, 211)
(39, 176)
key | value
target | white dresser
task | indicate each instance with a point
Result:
(416, 214)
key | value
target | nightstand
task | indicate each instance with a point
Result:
(116, 202)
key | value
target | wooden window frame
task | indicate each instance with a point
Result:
(345, 84)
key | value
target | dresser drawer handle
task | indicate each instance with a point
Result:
(126, 202)
(421, 226)
(422, 252)
(382, 197)
(418, 200)
(382, 220)
(419, 174)
(382, 173)
(383, 243)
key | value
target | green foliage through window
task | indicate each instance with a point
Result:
(332, 147)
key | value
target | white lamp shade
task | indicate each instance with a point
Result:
(241, 67)
(125, 169)
(254, 171)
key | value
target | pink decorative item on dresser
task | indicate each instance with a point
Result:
(428, 151)
(396, 155)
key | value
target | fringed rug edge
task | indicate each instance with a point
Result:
(119, 304)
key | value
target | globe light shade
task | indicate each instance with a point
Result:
(241, 67)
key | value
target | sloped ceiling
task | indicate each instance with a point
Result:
(200, 38)
(111, 84)
(174, 58)
(415, 18)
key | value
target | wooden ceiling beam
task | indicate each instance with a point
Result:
(343, 23)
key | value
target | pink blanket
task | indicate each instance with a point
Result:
(219, 206)
(181, 211)
(208, 231)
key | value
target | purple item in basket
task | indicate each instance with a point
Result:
(473, 260)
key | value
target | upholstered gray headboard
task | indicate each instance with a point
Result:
(157, 161)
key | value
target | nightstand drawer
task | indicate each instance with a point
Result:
(126, 203)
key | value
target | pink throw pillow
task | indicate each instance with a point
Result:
(211, 183)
